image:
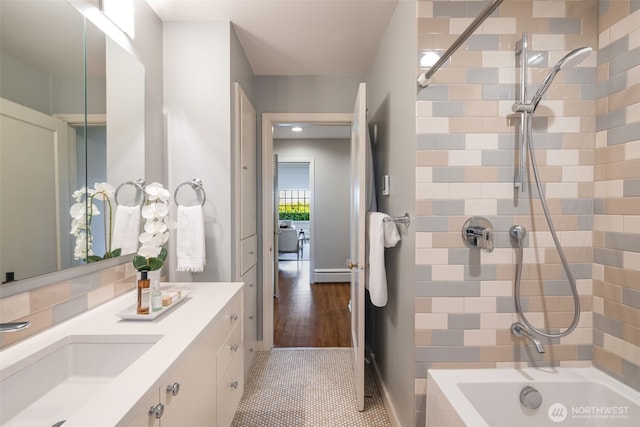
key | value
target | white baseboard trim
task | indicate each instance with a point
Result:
(331, 275)
(384, 393)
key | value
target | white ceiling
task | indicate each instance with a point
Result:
(295, 37)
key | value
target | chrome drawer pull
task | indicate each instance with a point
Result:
(234, 317)
(234, 385)
(234, 348)
(174, 388)
(157, 411)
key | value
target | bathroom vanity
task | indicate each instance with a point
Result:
(183, 368)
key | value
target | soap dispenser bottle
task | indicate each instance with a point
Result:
(143, 294)
(156, 296)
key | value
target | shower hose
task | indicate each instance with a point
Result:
(563, 259)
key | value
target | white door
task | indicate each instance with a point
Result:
(33, 215)
(357, 239)
(276, 228)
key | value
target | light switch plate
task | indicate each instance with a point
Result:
(386, 182)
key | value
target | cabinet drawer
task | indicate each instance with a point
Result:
(250, 321)
(230, 316)
(229, 393)
(249, 358)
(232, 349)
(249, 250)
(249, 279)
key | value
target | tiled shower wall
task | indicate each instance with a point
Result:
(616, 237)
(466, 158)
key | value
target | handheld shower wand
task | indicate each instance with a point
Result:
(527, 109)
(571, 59)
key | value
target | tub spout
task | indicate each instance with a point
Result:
(519, 330)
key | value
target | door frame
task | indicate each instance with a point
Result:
(268, 121)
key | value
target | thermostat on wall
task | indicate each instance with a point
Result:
(385, 185)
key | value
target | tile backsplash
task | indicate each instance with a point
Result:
(49, 305)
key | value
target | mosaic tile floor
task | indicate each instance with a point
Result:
(307, 387)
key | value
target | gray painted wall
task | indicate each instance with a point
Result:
(201, 63)
(197, 99)
(391, 102)
(306, 94)
(330, 239)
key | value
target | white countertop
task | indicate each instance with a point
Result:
(179, 328)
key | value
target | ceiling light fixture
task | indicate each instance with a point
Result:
(428, 58)
(296, 129)
(120, 12)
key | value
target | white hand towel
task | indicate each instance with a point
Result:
(126, 229)
(380, 234)
(190, 247)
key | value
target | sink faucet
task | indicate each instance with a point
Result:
(519, 330)
(14, 326)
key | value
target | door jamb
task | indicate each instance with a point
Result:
(268, 121)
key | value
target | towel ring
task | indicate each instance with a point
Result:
(196, 185)
(138, 184)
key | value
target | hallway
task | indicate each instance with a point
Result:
(310, 315)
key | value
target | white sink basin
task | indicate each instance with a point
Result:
(48, 386)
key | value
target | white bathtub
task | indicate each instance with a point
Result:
(571, 397)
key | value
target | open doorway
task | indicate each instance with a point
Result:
(295, 201)
(311, 225)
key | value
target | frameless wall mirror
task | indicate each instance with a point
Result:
(58, 133)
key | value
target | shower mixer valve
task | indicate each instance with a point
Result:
(480, 237)
(477, 232)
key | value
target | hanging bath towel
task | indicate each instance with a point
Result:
(380, 234)
(190, 246)
(126, 229)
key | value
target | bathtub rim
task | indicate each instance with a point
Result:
(447, 380)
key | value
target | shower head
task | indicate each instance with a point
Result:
(571, 59)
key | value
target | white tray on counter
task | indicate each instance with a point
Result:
(130, 313)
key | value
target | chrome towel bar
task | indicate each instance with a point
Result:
(404, 219)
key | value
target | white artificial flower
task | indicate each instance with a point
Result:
(154, 227)
(103, 190)
(79, 194)
(157, 224)
(149, 251)
(82, 214)
(155, 210)
(78, 211)
(156, 191)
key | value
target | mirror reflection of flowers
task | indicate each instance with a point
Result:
(83, 212)
(152, 253)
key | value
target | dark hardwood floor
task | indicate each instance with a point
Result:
(310, 315)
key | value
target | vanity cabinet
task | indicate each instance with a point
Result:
(246, 225)
(204, 388)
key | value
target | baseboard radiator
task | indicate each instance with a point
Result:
(331, 275)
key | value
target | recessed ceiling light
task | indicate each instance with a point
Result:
(296, 129)
(428, 58)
